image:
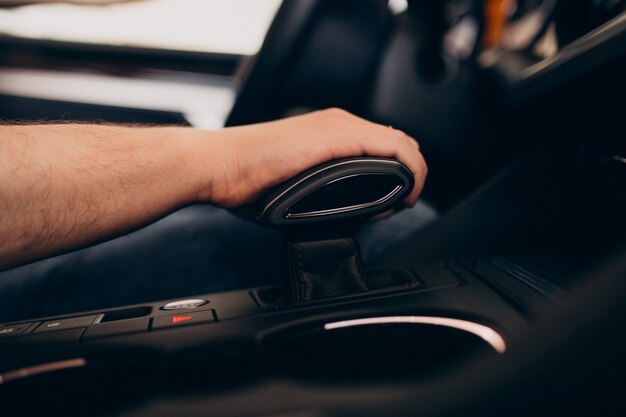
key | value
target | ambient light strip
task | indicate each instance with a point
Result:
(41, 369)
(493, 338)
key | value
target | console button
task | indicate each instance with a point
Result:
(14, 329)
(48, 339)
(117, 327)
(63, 324)
(181, 304)
(183, 319)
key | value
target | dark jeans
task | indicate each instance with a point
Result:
(199, 249)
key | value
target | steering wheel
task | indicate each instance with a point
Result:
(317, 53)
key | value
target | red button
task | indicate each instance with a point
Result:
(178, 319)
(183, 319)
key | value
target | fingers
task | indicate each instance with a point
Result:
(348, 135)
(383, 215)
(420, 180)
(393, 143)
(268, 153)
(363, 137)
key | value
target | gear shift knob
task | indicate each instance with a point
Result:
(340, 193)
(319, 211)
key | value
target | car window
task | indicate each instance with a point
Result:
(222, 26)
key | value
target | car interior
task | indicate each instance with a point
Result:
(512, 301)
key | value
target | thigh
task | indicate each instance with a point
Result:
(196, 250)
(380, 237)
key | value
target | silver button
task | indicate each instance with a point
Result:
(178, 305)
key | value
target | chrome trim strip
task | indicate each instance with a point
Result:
(41, 369)
(348, 208)
(489, 335)
(315, 173)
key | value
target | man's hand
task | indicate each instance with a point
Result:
(63, 187)
(247, 160)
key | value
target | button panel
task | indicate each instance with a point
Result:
(183, 319)
(62, 324)
(90, 326)
(14, 329)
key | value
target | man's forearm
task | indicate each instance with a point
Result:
(65, 186)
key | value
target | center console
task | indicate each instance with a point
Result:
(465, 292)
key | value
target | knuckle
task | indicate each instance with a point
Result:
(335, 112)
(399, 135)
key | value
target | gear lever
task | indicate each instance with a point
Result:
(319, 212)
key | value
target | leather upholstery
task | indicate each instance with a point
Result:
(322, 269)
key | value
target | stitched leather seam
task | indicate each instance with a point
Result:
(300, 274)
(359, 263)
(293, 270)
